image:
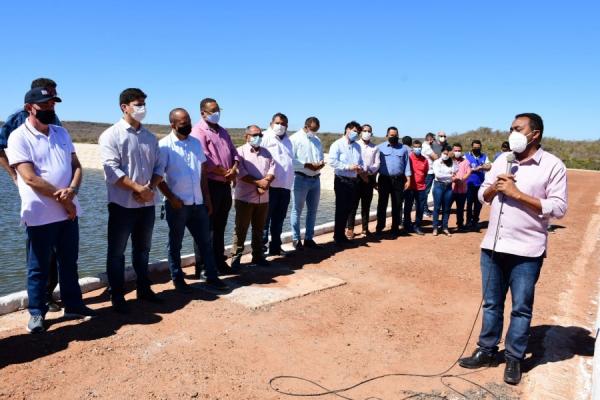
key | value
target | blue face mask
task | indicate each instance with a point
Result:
(417, 151)
(352, 135)
(214, 117)
(255, 141)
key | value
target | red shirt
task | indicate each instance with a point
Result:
(419, 167)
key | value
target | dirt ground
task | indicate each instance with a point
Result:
(407, 307)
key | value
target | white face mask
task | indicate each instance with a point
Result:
(255, 141)
(214, 117)
(517, 142)
(279, 129)
(139, 113)
(441, 139)
(457, 154)
(445, 157)
(366, 136)
(311, 133)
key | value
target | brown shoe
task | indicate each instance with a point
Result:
(350, 233)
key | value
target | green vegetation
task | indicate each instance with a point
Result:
(584, 154)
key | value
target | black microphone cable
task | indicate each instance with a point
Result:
(510, 159)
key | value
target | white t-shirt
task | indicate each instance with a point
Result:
(427, 151)
(51, 158)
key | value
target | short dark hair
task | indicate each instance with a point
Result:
(446, 148)
(407, 140)
(312, 120)
(363, 127)
(280, 115)
(416, 141)
(43, 83)
(131, 94)
(457, 145)
(429, 135)
(391, 128)
(175, 111)
(506, 145)
(352, 124)
(476, 141)
(535, 121)
(205, 101)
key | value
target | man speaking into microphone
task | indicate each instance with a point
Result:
(524, 191)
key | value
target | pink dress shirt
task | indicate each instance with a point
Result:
(464, 167)
(257, 164)
(218, 147)
(522, 231)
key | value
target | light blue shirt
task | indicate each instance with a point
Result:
(181, 161)
(342, 155)
(306, 149)
(126, 151)
(394, 160)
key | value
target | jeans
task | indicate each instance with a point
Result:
(428, 186)
(122, 223)
(61, 238)
(364, 197)
(442, 198)
(279, 200)
(52, 272)
(459, 199)
(247, 214)
(473, 205)
(346, 192)
(306, 190)
(390, 186)
(195, 219)
(500, 271)
(419, 199)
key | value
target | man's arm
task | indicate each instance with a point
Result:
(37, 183)
(4, 162)
(77, 175)
(205, 191)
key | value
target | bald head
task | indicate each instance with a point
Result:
(180, 121)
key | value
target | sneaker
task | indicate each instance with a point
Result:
(182, 287)
(435, 232)
(311, 244)
(53, 305)
(148, 295)
(217, 283)
(350, 233)
(36, 324)
(83, 312)
(418, 231)
(119, 305)
(447, 232)
(260, 262)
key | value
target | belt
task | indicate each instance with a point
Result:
(306, 176)
(347, 178)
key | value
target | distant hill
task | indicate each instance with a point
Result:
(584, 154)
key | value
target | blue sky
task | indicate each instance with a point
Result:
(422, 66)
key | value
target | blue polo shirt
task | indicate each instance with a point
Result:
(394, 160)
(13, 122)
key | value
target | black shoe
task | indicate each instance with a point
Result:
(297, 245)
(225, 269)
(199, 272)
(478, 359)
(119, 305)
(182, 287)
(217, 284)
(418, 232)
(343, 242)
(52, 305)
(260, 262)
(309, 243)
(84, 313)
(148, 295)
(512, 372)
(278, 252)
(235, 265)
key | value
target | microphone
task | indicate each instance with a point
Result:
(510, 159)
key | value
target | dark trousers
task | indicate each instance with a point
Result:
(473, 205)
(499, 272)
(52, 272)
(247, 214)
(390, 187)
(459, 199)
(364, 197)
(346, 191)
(220, 196)
(195, 219)
(122, 223)
(279, 200)
(418, 198)
(62, 239)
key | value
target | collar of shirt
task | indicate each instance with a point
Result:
(126, 126)
(31, 129)
(535, 158)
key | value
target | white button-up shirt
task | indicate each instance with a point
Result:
(370, 156)
(51, 157)
(427, 151)
(126, 151)
(342, 155)
(181, 161)
(306, 149)
(444, 173)
(282, 152)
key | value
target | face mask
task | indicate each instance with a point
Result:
(517, 142)
(393, 140)
(457, 154)
(279, 129)
(442, 139)
(445, 157)
(185, 130)
(417, 151)
(352, 135)
(213, 118)
(477, 152)
(311, 133)
(255, 141)
(45, 116)
(139, 113)
(366, 136)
